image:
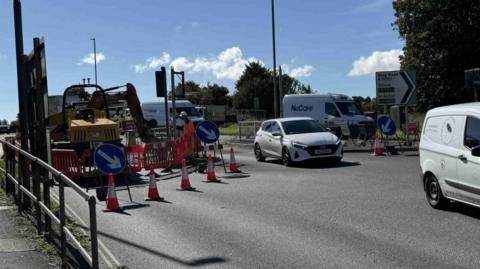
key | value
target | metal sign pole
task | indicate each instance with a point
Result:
(406, 126)
(174, 110)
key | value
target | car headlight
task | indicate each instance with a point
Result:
(338, 141)
(299, 145)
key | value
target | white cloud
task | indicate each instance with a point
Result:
(153, 63)
(373, 6)
(377, 61)
(298, 72)
(90, 58)
(294, 59)
(228, 64)
(195, 24)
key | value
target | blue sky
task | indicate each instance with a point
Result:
(335, 46)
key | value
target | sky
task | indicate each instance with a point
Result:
(334, 46)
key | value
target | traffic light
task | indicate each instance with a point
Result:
(161, 82)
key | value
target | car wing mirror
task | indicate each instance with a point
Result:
(277, 134)
(476, 151)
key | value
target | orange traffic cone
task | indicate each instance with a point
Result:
(211, 177)
(185, 183)
(152, 188)
(377, 149)
(233, 163)
(112, 201)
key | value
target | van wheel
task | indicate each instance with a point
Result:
(258, 153)
(434, 193)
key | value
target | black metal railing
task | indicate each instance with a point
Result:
(42, 172)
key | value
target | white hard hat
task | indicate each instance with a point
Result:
(183, 114)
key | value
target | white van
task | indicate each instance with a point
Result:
(156, 111)
(450, 155)
(331, 110)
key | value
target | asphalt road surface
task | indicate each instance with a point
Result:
(370, 212)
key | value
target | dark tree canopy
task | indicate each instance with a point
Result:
(208, 95)
(442, 40)
(257, 80)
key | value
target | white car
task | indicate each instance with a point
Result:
(450, 155)
(296, 140)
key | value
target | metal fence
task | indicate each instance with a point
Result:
(248, 129)
(22, 196)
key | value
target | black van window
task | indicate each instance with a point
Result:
(472, 133)
(331, 110)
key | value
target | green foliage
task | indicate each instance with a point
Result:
(257, 81)
(208, 95)
(442, 40)
(230, 130)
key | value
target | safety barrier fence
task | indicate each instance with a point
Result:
(41, 173)
(153, 155)
(248, 129)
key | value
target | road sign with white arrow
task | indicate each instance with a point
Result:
(386, 125)
(109, 159)
(396, 87)
(208, 132)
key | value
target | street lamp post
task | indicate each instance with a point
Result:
(95, 57)
(275, 94)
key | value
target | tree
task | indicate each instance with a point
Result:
(208, 95)
(442, 40)
(257, 81)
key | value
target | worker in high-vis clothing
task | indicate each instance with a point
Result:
(188, 130)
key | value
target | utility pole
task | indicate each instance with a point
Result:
(95, 58)
(275, 93)
(22, 97)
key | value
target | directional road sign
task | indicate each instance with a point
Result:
(396, 87)
(109, 159)
(386, 125)
(208, 132)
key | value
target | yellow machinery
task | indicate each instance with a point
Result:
(84, 125)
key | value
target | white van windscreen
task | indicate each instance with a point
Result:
(349, 108)
(191, 111)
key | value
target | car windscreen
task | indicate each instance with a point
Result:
(348, 108)
(302, 127)
(191, 111)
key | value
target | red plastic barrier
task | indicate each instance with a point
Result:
(88, 167)
(135, 157)
(67, 162)
(159, 155)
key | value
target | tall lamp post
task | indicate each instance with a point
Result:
(275, 93)
(95, 57)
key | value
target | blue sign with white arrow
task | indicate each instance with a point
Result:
(386, 125)
(109, 159)
(207, 132)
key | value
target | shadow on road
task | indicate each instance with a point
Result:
(464, 209)
(318, 164)
(192, 263)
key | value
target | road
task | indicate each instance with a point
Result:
(368, 213)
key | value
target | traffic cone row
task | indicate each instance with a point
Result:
(233, 163)
(185, 183)
(153, 194)
(112, 201)
(211, 177)
(377, 149)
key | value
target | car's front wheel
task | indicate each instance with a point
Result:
(434, 193)
(286, 160)
(258, 153)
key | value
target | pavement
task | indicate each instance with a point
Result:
(17, 250)
(368, 212)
